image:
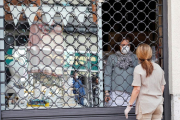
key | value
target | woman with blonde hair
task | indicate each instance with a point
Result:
(148, 86)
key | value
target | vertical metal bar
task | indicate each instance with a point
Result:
(90, 79)
(2, 65)
(167, 102)
(100, 54)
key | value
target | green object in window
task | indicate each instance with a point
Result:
(9, 51)
(8, 59)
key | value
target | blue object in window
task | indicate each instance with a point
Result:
(79, 91)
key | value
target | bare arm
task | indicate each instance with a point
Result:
(134, 95)
(107, 77)
(162, 88)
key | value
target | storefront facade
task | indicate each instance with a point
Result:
(44, 43)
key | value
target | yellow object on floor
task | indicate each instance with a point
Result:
(46, 105)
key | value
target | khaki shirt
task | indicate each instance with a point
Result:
(150, 96)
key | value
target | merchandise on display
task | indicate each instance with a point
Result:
(15, 85)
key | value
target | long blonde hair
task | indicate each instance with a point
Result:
(144, 54)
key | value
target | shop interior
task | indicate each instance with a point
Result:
(68, 45)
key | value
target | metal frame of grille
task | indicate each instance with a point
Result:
(109, 24)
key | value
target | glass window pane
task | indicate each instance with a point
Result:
(69, 53)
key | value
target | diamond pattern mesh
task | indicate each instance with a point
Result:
(66, 53)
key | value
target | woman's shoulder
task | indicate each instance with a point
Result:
(138, 67)
(156, 66)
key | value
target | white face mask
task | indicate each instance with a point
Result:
(76, 77)
(125, 49)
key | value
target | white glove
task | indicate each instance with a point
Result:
(127, 110)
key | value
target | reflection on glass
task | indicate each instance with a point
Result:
(52, 62)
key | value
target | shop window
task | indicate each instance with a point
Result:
(57, 51)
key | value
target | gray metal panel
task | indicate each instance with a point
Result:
(167, 101)
(2, 70)
(113, 117)
(66, 113)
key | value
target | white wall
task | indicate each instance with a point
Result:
(174, 55)
(174, 45)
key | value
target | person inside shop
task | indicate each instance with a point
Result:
(148, 86)
(95, 91)
(78, 89)
(118, 75)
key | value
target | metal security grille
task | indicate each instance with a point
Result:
(137, 21)
(66, 53)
